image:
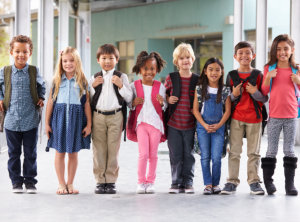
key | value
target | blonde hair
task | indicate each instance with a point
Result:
(182, 49)
(79, 75)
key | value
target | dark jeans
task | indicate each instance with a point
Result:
(180, 143)
(15, 140)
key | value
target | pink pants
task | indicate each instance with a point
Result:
(148, 140)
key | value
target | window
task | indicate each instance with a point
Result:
(126, 61)
(250, 36)
(204, 47)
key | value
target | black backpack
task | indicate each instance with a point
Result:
(261, 111)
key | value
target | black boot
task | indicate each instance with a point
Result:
(268, 165)
(290, 165)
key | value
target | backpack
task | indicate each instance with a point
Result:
(261, 111)
(225, 94)
(297, 93)
(176, 83)
(133, 114)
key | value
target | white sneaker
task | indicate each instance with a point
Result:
(150, 188)
(141, 188)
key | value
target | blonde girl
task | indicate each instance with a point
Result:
(68, 117)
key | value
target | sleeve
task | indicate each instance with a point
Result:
(258, 96)
(168, 85)
(129, 104)
(125, 91)
(265, 89)
(162, 92)
(92, 90)
(2, 85)
(41, 85)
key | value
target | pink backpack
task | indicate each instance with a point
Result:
(133, 114)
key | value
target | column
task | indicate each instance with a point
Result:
(237, 26)
(261, 33)
(23, 18)
(63, 24)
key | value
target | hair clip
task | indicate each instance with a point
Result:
(61, 52)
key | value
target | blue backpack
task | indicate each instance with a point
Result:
(297, 93)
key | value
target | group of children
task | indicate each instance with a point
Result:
(186, 103)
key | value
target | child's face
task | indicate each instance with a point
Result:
(284, 52)
(107, 61)
(244, 56)
(149, 71)
(213, 73)
(185, 62)
(21, 53)
(68, 63)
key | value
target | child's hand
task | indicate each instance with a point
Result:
(48, 130)
(1, 106)
(214, 127)
(86, 131)
(236, 91)
(40, 103)
(296, 78)
(173, 99)
(137, 101)
(250, 88)
(117, 81)
(160, 99)
(272, 74)
(97, 81)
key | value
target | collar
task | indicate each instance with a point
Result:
(64, 77)
(15, 69)
(109, 72)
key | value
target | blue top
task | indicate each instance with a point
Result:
(22, 114)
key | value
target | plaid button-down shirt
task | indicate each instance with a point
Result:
(22, 114)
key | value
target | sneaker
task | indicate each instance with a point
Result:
(141, 188)
(208, 190)
(256, 189)
(18, 188)
(229, 188)
(189, 189)
(216, 189)
(150, 188)
(174, 189)
(181, 188)
(30, 188)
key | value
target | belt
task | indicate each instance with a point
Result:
(108, 112)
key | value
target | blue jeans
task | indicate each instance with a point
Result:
(211, 147)
(15, 140)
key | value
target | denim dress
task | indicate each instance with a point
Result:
(211, 144)
(68, 119)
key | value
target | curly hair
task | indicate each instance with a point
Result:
(21, 39)
(143, 57)
(203, 80)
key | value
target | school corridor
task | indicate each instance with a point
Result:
(126, 205)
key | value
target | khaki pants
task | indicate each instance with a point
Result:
(106, 136)
(253, 134)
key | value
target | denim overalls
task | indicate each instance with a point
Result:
(211, 144)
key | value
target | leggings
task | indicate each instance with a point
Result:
(275, 125)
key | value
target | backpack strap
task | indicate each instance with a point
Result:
(33, 85)
(7, 83)
(98, 90)
(193, 83)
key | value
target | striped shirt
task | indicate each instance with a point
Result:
(182, 118)
(22, 114)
